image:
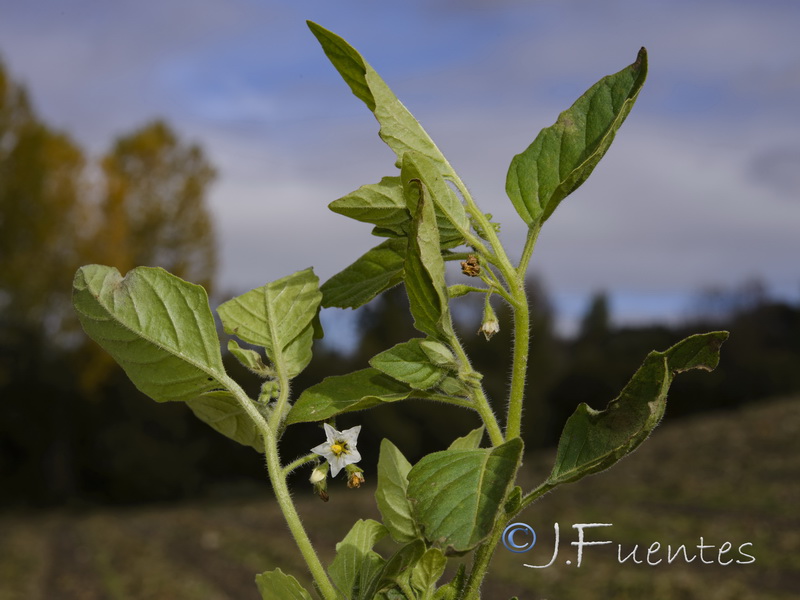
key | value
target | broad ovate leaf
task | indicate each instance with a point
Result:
(563, 155)
(158, 327)
(160, 330)
(279, 317)
(456, 495)
(346, 393)
(594, 440)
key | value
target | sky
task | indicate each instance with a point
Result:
(701, 187)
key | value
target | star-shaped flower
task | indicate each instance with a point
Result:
(340, 448)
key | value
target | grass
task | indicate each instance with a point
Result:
(731, 477)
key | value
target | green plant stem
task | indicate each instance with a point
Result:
(483, 556)
(278, 478)
(527, 251)
(516, 287)
(532, 496)
(519, 366)
(480, 402)
(296, 528)
(299, 462)
(489, 419)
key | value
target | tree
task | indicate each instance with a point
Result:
(149, 208)
(42, 210)
(153, 211)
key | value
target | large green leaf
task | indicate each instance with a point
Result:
(346, 393)
(277, 585)
(393, 469)
(376, 271)
(158, 327)
(279, 317)
(160, 330)
(356, 563)
(408, 362)
(457, 494)
(424, 269)
(594, 440)
(563, 155)
(398, 128)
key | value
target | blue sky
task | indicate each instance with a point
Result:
(700, 188)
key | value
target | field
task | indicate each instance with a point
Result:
(727, 477)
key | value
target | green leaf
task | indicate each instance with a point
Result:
(451, 216)
(355, 562)
(376, 271)
(221, 411)
(471, 441)
(407, 362)
(563, 155)
(428, 571)
(279, 317)
(399, 563)
(346, 393)
(424, 270)
(277, 585)
(160, 330)
(594, 440)
(398, 128)
(381, 204)
(158, 327)
(393, 469)
(457, 494)
(439, 354)
(249, 359)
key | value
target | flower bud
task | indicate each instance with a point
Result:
(319, 479)
(489, 325)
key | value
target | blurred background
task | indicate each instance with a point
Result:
(208, 136)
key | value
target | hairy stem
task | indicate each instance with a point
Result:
(480, 564)
(299, 462)
(519, 366)
(296, 528)
(527, 251)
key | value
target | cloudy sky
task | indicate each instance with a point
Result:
(700, 188)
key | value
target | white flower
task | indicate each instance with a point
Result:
(340, 448)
